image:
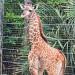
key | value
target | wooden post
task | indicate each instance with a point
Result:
(1, 25)
(26, 30)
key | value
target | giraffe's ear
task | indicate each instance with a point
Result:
(35, 7)
(22, 6)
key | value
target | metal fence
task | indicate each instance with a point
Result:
(16, 46)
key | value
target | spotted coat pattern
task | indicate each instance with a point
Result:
(42, 55)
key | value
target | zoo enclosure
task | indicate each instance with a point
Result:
(58, 25)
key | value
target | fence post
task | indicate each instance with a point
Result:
(1, 25)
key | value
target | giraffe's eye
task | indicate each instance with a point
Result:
(30, 10)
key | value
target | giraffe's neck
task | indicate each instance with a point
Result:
(35, 29)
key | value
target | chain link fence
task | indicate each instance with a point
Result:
(58, 22)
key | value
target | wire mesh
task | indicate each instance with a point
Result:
(59, 31)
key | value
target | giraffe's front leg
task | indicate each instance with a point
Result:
(33, 71)
(33, 67)
(40, 71)
(33, 63)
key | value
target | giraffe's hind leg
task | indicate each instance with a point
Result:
(56, 69)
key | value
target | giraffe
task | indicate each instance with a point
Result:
(42, 56)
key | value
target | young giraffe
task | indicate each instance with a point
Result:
(42, 56)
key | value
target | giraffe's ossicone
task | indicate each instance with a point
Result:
(42, 56)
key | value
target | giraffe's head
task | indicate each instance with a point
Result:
(27, 9)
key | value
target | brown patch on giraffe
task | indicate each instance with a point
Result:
(35, 30)
(35, 25)
(30, 31)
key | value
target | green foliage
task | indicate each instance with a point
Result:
(52, 1)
